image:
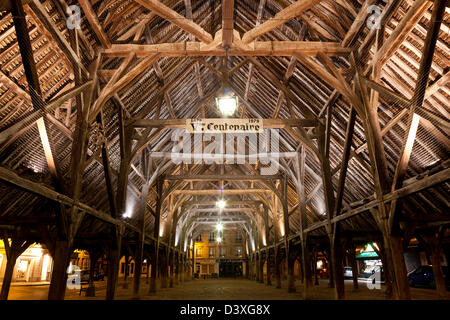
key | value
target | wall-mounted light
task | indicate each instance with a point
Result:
(219, 239)
(219, 227)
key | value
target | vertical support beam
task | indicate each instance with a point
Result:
(227, 23)
(140, 236)
(267, 234)
(353, 262)
(433, 244)
(93, 257)
(155, 262)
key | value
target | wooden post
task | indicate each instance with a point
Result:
(155, 263)
(433, 245)
(61, 260)
(164, 267)
(93, 257)
(267, 235)
(113, 263)
(352, 256)
(193, 261)
(290, 266)
(139, 255)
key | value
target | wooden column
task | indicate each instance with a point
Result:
(290, 270)
(353, 263)
(61, 260)
(155, 263)
(139, 255)
(267, 235)
(93, 257)
(113, 266)
(164, 267)
(433, 245)
(193, 261)
(13, 251)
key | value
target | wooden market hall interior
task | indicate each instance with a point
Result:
(316, 166)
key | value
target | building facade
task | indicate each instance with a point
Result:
(220, 254)
(34, 265)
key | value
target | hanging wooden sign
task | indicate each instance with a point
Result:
(221, 125)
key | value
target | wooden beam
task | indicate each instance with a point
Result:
(213, 192)
(227, 177)
(35, 115)
(29, 65)
(414, 14)
(227, 23)
(345, 160)
(120, 83)
(44, 17)
(259, 48)
(357, 24)
(280, 18)
(417, 101)
(177, 19)
(91, 16)
(181, 123)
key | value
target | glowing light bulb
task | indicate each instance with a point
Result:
(227, 105)
(219, 239)
(221, 204)
(219, 227)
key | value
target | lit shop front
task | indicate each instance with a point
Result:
(34, 265)
(368, 259)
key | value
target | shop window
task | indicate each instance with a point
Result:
(204, 268)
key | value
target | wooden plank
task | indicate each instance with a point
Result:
(280, 18)
(177, 19)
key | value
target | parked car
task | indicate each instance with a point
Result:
(423, 276)
(348, 273)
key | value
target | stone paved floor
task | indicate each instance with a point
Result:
(222, 289)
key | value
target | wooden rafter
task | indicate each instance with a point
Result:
(177, 19)
(280, 18)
